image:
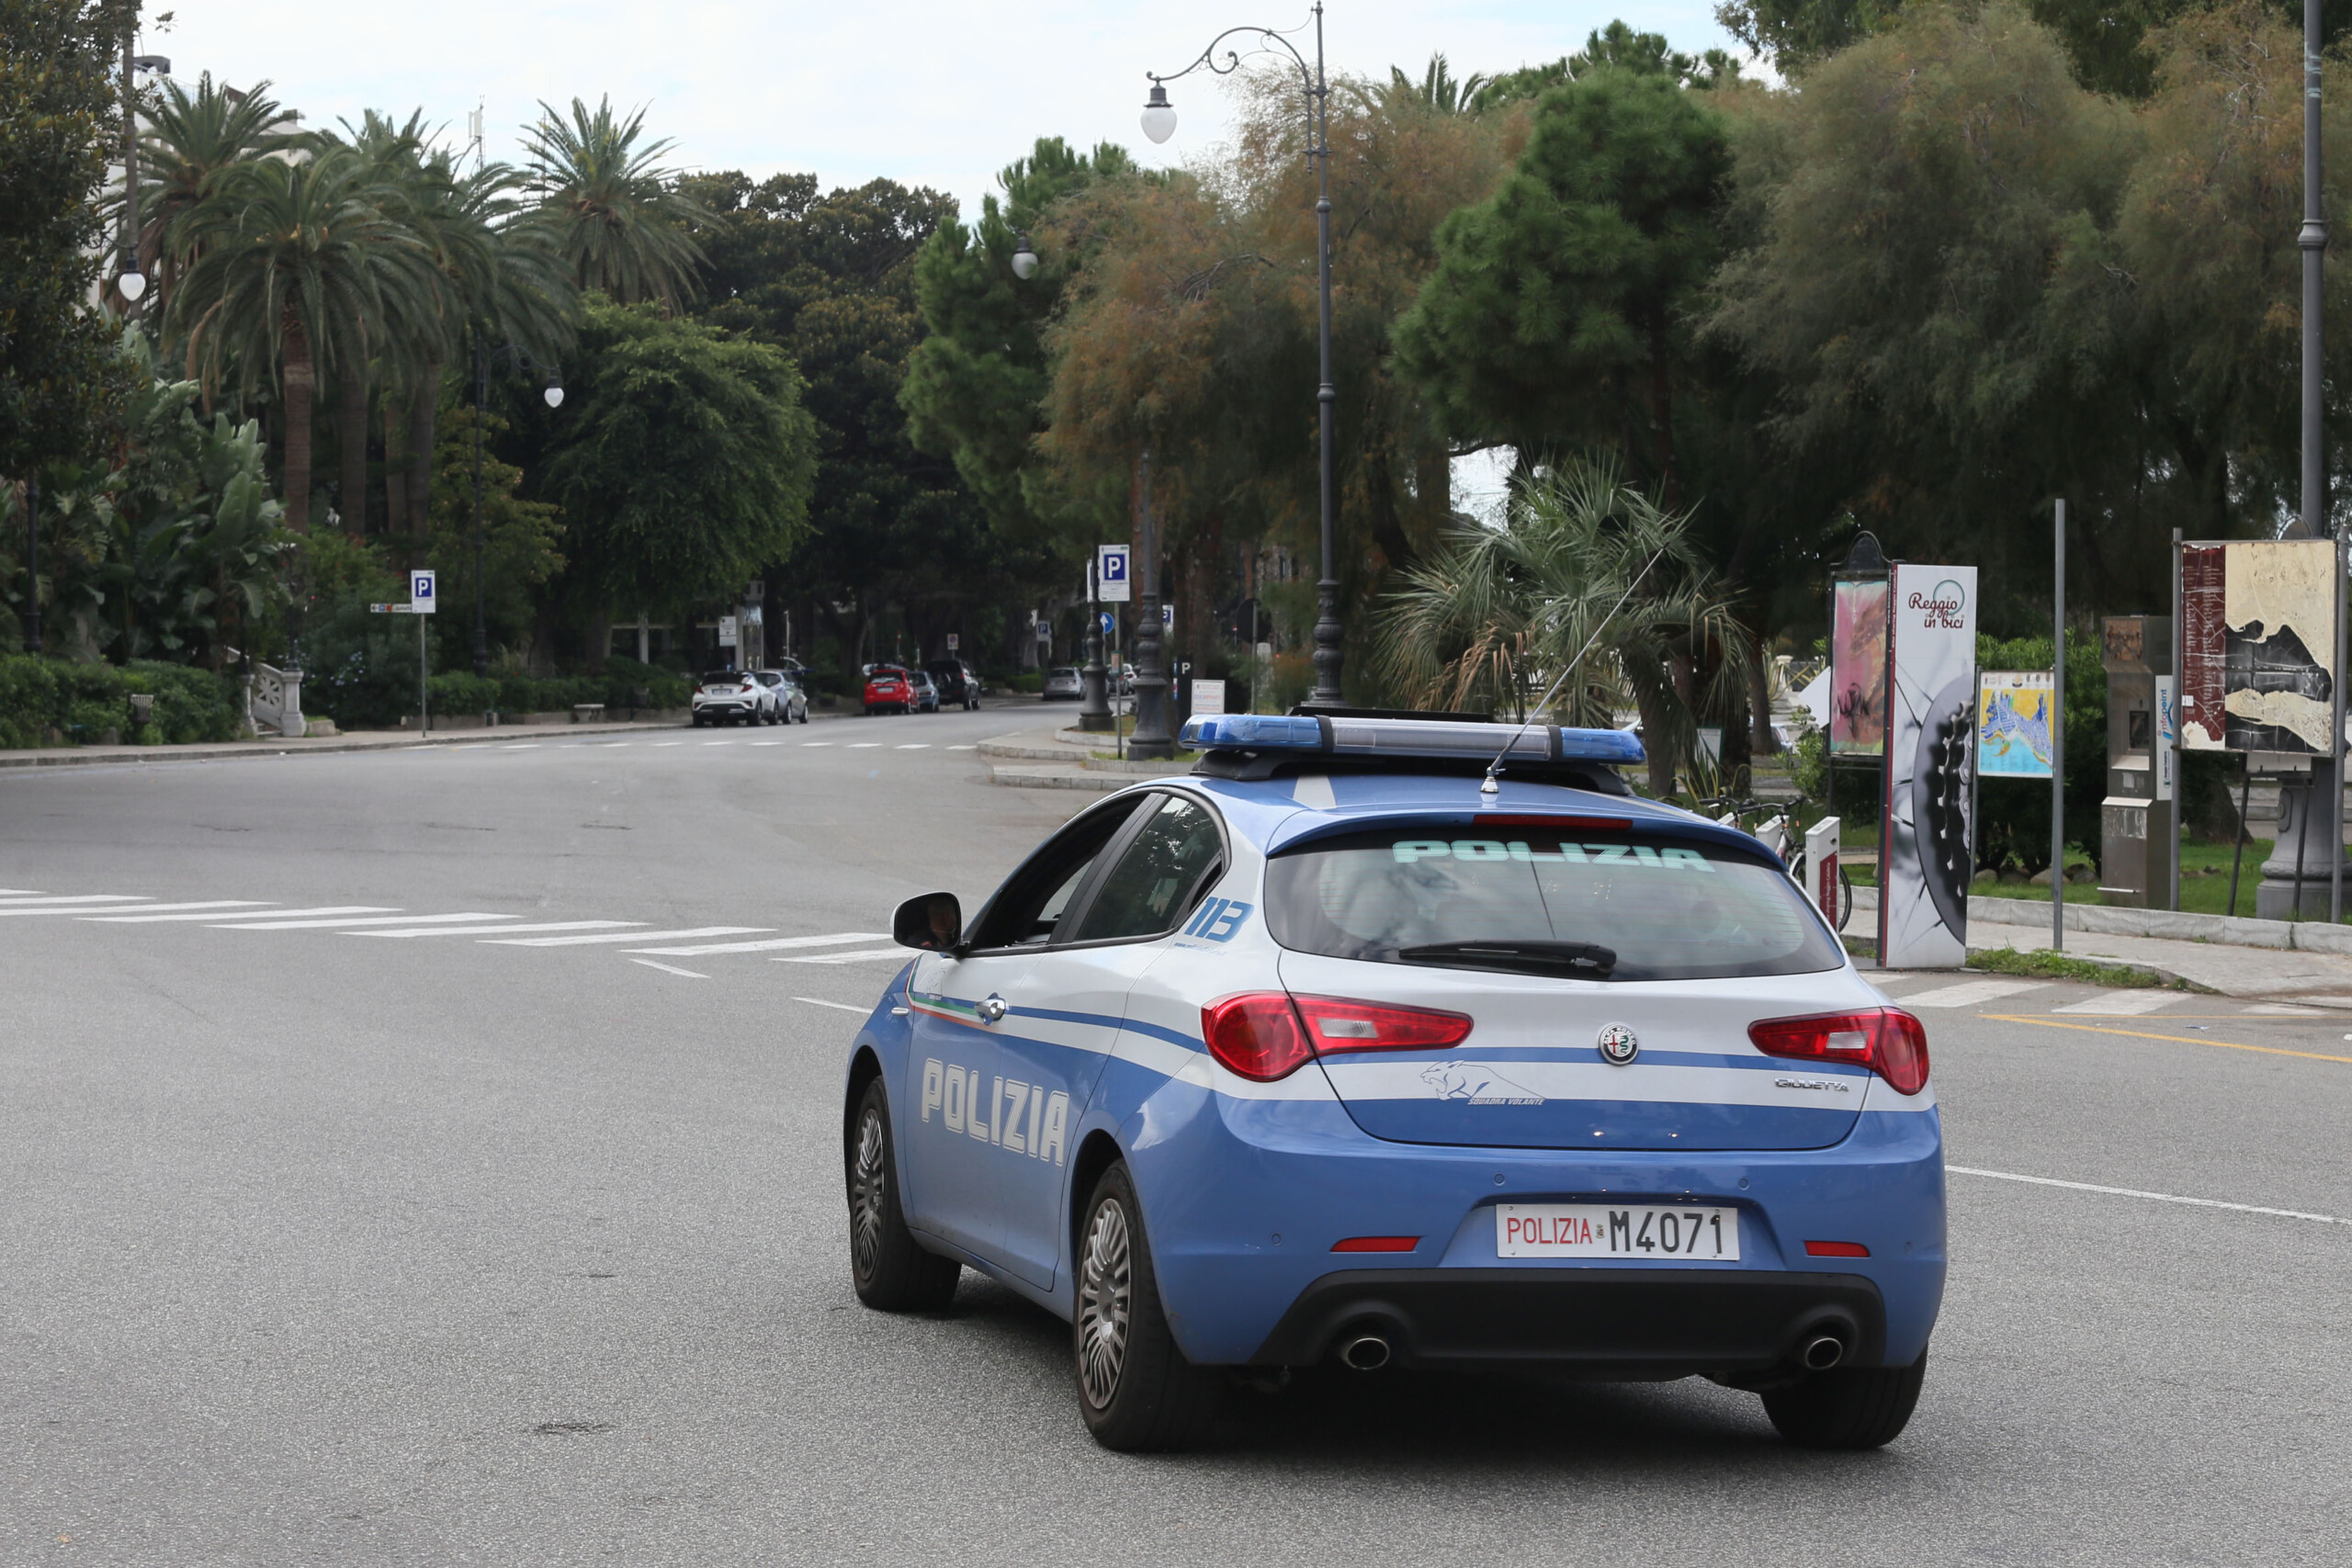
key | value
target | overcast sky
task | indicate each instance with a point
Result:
(931, 94)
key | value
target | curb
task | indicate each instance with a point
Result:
(70, 756)
(2165, 925)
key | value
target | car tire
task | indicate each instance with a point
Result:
(889, 1268)
(1136, 1390)
(1852, 1407)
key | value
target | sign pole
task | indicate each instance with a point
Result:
(2058, 738)
(2179, 670)
(424, 685)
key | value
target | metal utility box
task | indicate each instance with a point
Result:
(2135, 827)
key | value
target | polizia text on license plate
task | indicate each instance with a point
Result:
(1602, 1230)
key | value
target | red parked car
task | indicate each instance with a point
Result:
(888, 690)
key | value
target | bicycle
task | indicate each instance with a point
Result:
(1781, 831)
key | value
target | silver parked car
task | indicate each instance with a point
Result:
(1063, 684)
(791, 701)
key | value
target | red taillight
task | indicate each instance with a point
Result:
(1888, 1040)
(1267, 1035)
(1338, 1024)
(1256, 1036)
(1836, 1249)
(1377, 1244)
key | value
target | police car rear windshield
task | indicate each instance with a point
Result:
(1581, 903)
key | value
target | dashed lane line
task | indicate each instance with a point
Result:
(45, 901)
(523, 746)
(669, 969)
(145, 908)
(627, 936)
(865, 745)
(2129, 1004)
(1970, 993)
(963, 748)
(262, 914)
(773, 945)
(2175, 1039)
(821, 1002)
(2152, 1197)
(816, 743)
(916, 745)
(390, 919)
(414, 930)
(863, 957)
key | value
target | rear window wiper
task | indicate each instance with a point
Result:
(1587, 959)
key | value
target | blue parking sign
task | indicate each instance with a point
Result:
(420, 593)
(1110, 572)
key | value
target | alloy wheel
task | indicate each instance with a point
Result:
(1104, 1299)
(867, 1175)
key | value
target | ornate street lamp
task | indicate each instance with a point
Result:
(1160, 124)
(128, 279)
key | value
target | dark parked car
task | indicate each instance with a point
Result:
(958, 686)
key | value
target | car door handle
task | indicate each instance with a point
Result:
(991, 1009)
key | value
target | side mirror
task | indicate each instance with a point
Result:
(932, 921)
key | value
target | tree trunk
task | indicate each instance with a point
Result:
(351, 437)
(395, 471)
(423, 404)
(1660, 752)
(1762, 740)
(600, 639)
(301, 390)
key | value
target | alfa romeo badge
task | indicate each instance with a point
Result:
(1618, 1044)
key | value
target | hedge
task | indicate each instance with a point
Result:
(51, 701)
(361, 695)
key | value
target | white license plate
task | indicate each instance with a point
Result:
(1605, 1230)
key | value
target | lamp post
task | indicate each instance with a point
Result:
(129, 279)
(483, 354)
(1160, 124)
(1152, 741)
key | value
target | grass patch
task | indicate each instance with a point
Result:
(2058, 966)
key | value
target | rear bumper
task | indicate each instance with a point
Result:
(1609, 1323)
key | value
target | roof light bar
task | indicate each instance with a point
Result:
(1338, 736)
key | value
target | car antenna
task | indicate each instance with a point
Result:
(1490, 785)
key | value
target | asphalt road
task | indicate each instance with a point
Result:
(443, 1248)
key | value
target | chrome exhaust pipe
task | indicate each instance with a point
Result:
(1822, 1352)
(1365, 1352)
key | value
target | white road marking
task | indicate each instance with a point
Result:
(669, 969)
(916, 745)
(363, 921)
(2128, 1005)
(963, 748)
(2287, 1010)
(146, 909)
(767, 743)
(821, 1002)
(612, 743)
(502, 931)
(871, 952)
(659, 744)
(628, 936)
(2152, 1197)
(816, 743)
(20, 893)
(1970, 993)
(768, 946)
(728, 742)
(524, 746)
(265, 914)
(865, 745)
(44, 901)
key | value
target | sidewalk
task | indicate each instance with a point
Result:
(1065, 757)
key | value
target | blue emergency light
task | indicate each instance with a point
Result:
(1336, 735)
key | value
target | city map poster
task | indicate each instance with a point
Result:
(2013, 723)
(2256, 629)
(1858, 668)
(1929, 852)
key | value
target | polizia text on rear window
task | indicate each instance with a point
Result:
(1576, 902)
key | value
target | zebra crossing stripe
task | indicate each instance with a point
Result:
(771, 945)
(627, 936)
(265, 914)
(869, 954)
(499, 931)
(390, 919)
(43, 901)
(83, 910)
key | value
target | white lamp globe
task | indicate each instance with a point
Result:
(1025, 261)
(133, 284)
(1159, 115)
(554, 396)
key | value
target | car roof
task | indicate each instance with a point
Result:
(1273, 814)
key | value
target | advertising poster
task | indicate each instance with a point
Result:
(2167, 736)
(1930, 755)
(1858, 670)
(2256, 627)
(2013, 723)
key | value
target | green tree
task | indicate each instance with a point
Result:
(1584, 564)
(619, 222)
(521, 539)
(291, 260)
(683, 462)
(60, 382)
(1556, 319)
(188, 143)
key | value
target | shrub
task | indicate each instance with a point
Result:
(81, 702)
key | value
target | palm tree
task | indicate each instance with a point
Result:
(1437, 89)
(190, 143)
(618, 218)
(293, 259)
(1585, 570)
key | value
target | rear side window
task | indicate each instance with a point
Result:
(1588, 903)
(1152, 885)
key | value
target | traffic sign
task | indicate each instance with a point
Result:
(1168, 617)
(727, 631)
(1111, 570)
(952, 641)
(421, 599)
(1106, 621)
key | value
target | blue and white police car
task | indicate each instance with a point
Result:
(1348, 1047)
